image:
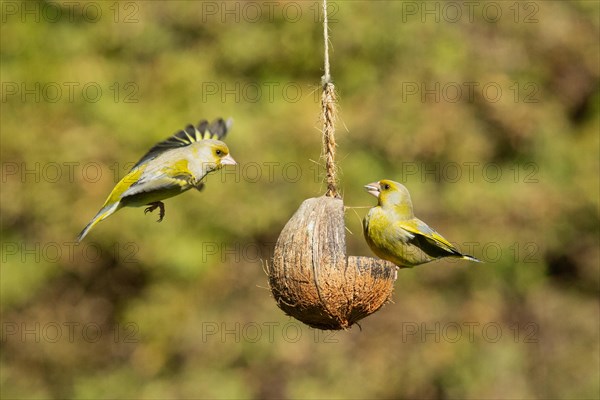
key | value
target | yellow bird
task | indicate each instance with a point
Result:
(171, 167)
(394, 233)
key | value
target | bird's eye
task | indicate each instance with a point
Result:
(218, 152)
(386, 186)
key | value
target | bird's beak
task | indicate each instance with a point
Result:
(373, 188)
(228, 160)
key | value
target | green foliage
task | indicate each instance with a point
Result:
(181, 309)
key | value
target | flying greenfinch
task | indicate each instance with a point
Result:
(394, 233)
(171, 167)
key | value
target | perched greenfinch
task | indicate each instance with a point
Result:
(171, 167)
(395, 234)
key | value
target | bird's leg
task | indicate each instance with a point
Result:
(153, 206)
(198, 186)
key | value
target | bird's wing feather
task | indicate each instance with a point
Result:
(161, 182)
(427, 237)
(191, 134)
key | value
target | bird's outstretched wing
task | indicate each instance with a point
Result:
(190, 134)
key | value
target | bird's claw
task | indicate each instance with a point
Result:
(153, 206)
(199, 186)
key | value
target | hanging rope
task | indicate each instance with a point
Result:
(328, 116)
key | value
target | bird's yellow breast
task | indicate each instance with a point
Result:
(388, 240)
(377, 231)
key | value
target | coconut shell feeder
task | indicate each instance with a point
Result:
(311, 277)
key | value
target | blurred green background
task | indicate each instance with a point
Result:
(487, 111)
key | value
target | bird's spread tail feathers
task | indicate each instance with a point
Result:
(102, 214)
